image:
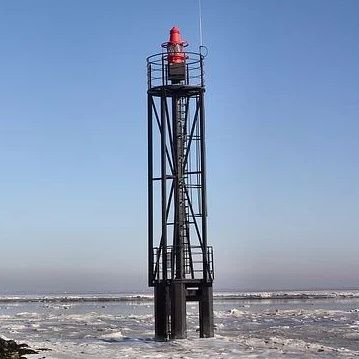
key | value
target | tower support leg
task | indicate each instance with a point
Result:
(178, 310)
(162, 311)
(206, 322)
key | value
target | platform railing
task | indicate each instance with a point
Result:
(193, 266)
(157, 70)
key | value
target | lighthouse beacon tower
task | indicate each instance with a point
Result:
(180, 262)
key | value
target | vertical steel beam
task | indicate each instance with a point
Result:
(164, 186)
(176, 187)
(162, 297)
(150, 188)
(203, 186)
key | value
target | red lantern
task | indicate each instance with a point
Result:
(175, 47)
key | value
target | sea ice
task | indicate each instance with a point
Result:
(314, 325)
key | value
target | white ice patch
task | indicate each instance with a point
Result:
(236, 313)
(17, 327)
(112, 337)
(87, 317)
(353, 336)
(27, 315)
(140, 317)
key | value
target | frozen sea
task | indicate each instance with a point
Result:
(248, 325)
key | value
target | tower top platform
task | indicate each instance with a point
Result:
(162, 73)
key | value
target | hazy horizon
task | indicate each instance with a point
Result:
(54, 283)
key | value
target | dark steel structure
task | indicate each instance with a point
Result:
(180, 262)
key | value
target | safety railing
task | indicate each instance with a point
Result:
(193, 266)
(157, 70)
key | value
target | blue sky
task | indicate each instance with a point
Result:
(282, 106)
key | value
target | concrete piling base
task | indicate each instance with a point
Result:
(178, 310)
(162, 311)
(170, 310)
(206, 321)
